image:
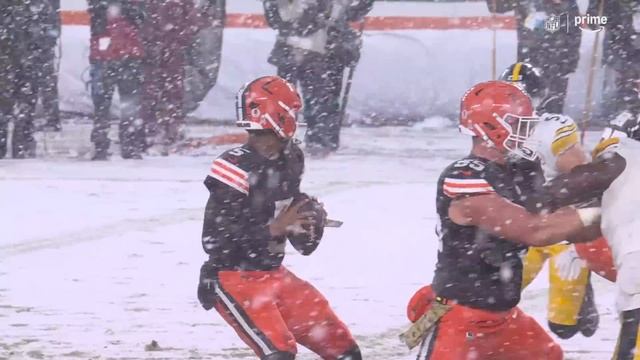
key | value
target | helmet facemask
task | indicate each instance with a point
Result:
(519, 141)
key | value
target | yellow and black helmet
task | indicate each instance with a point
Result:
(526, 76)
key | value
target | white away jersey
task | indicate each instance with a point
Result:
(620, 220)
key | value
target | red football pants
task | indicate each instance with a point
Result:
(471, 334)
(273, 310)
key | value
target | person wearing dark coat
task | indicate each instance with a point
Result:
(314, 46)
(46, 76)
(168, 32)
(555, 52)
(8, 59)
(116, 53)
(621, 53)
(48, 72)
(37, 29)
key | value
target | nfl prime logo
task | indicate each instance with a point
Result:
(552, 24)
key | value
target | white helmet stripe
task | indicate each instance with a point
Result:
(276, 127)
(287, 109)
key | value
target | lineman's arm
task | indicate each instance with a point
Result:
(586, 234)
(587, 181)
(497, 215)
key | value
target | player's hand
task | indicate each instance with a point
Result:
(568, 264)
(319, 212)
(289, 218)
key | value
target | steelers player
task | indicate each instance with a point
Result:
(571, 308)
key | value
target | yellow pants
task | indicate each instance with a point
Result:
(565, 296)
(628, 346)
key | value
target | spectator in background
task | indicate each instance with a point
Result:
(555, 53)
(37, 28)
(48, 71)
(168, 31)
(314, 46)
(8, 59)
(204, 57)
(116, 55)
(621, 53)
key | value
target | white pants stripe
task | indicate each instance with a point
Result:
(247, 329)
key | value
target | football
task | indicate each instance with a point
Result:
(306, 238)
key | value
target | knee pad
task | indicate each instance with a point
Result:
(280, 355)
(352, 354)
(563, 331)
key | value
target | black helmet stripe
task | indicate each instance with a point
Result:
(265, 86)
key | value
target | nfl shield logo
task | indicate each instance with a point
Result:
(552, 24)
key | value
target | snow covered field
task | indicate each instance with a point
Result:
(99, 259)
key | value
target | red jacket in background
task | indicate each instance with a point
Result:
(120, 40)
(115, 29)
(169, 29)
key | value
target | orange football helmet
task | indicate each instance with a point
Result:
(501, 114)
(268, 103)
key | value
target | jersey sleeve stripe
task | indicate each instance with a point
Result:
(564, 142)
(568, 129)
(605, 145)
(229, 167)
(452, 193)
(467, 190)
(465, 183)
(225, 178)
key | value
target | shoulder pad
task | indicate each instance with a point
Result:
(555, 133)
(240, 156)
(466, 177)
(232, 169)
(609, 142)
(295, 158)
(295, 149)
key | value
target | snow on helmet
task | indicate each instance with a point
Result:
(501, 114)
(268, 103)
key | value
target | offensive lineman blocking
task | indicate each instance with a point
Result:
(483, 233)
(571, 306)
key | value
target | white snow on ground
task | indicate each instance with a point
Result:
(99, 259)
